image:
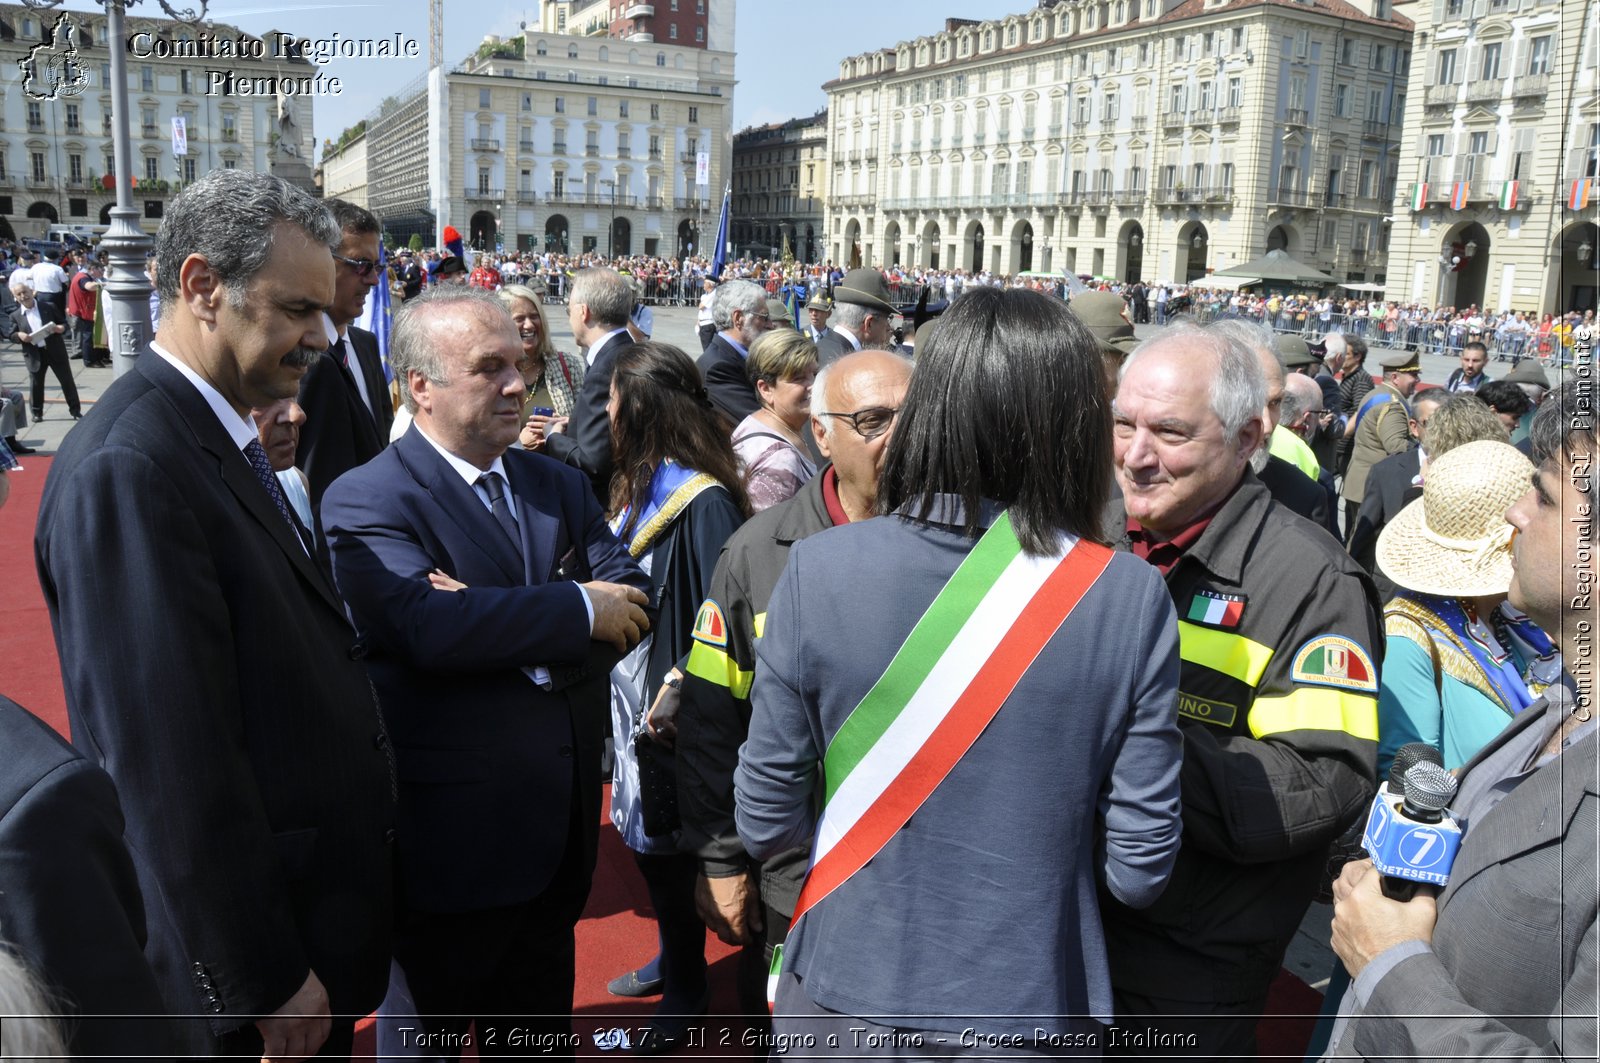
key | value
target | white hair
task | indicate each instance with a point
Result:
(746, 296)
(1239, 387)
(31, 1029)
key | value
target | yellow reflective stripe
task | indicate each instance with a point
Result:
(1316, 709)
(761, 624)
(1223, 651)
(714, 666)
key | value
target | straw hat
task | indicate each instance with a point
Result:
(1454, 540)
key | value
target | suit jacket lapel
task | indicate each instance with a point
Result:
(235, 471)
(461, 504)
(539, 518)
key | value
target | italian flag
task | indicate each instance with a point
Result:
(1508, 195)
(1205, 610)
(1419, 195)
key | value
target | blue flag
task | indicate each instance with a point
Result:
(719, 257)
(377, 317)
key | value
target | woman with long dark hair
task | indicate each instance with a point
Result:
(676, 496)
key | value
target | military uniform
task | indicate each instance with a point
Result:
(1382, 431)
(714, 708)
(1280, 640)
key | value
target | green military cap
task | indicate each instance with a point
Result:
(864, 287)
(1106, 315)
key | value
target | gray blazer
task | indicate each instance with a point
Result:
(1511, 969)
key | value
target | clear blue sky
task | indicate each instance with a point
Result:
(784, 51)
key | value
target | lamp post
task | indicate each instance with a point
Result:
(126, 245)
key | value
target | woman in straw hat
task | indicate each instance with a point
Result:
(1459, 660)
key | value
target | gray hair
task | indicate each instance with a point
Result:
(32, 1032)
(1300, 393)
(606, 293)
(1334, 345)
(20, 281)
(819, 387)
(1239, 388)
(231, 218)
(746, 296)
(411, 347)
(851, 315)
(1564, 428)
(1258, 338)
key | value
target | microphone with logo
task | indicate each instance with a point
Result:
(1409, 837)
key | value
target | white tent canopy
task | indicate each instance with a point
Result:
(1367, 287)
(1228, 284)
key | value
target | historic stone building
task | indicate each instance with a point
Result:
(1499, 164)
(56, 153)
(1154, 139)
(780, 183)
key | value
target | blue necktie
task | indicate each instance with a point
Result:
(269, 479)
(500, 506)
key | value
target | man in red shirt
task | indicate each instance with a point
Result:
(81, 294)
(485, 275)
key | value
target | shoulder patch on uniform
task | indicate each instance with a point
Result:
(1334, 661)
(709, 627)
(1216, 608)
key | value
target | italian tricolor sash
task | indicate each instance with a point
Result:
(949, 678)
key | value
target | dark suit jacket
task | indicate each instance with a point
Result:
(730, 389)
(69, 898)
(487, 758)
(210, 668)
(50, 314)
(1388, 491)
(1297, 492)
(832, 347)
(586, 444)
(341, 431)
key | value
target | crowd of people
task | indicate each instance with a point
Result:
(1012, 685)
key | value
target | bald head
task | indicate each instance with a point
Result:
(841, 383)
(871, 385)
(1302, 403)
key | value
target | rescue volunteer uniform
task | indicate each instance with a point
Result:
(714, 709)
(1280, 638)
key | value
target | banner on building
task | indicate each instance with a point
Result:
(180, 136)
(1458, 196)
(1508, 195)
(1578, 198)
(1419, 195)
(702, 168)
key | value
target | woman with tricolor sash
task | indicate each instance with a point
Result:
(676, 496)
(1459, 661)
(979, 696)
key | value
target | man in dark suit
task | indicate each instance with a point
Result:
(598, 311)
(496, 691)
(344, 394)
(37, 326)
(69, 899)
(241, 730)
(740, 311)
(861, 314)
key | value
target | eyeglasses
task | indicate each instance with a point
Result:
(364, 267)
(869, 423)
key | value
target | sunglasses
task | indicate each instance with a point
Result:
(869, 423)
(364, 267)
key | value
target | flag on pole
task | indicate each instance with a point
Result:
(1419, 195)
(1508, 195)
(378, 315)
(1579, 197)
(1458, 196)
(719, 256)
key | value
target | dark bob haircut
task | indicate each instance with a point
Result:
(1008, 404)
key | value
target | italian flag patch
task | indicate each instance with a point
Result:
(1218, 610)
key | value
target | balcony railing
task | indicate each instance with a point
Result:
(1055, 130)
(149, 131)
(1297, 116)
(1139, 123)
(486, 195)
(1172, 196)
(1485, 91)
(1219, 194)
(1203, 115)
(654, 203)
(1080, 128)
(1289, 197)
(485, 144)
(37, 125)
(641, 37)
(1228, 115)
(1130, 197)
(1441, 95)
(655, 154)
(1375, 129)
(639, 11)
(955, 140)
(687, 157)
(558, 148)
(229, 134)
(1530, 85)
(525, 147)
(1175, 119)
(592, 150)
(691, 204)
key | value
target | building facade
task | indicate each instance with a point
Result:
(344, 168)
(1130, 139)
(691, 23)
(1501, 157)
(780, 185)
(56, 154)
(572, 144)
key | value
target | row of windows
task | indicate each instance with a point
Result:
(591, 106)
(77, 174)
(1533, 57)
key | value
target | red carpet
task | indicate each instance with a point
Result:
(617, 933)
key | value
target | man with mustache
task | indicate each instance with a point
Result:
(208, 664)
